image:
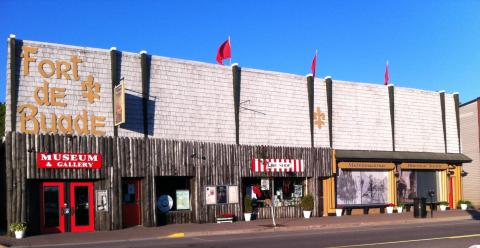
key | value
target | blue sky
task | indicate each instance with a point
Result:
(432, 45)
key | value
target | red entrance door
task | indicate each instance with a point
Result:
(52, 207)
(59, 210)
(81, 202)
(131, 202)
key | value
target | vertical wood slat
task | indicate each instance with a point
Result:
(224, 164)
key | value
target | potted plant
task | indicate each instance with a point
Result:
(443, 205)
(390, 208)
(400, 207)
(307, 206)
(247, 208)
(464, 204)
(339, 210)
(18, 229)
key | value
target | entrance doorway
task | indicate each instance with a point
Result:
(66, 206)
(131, 202)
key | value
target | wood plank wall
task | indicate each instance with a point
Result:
(150, 159)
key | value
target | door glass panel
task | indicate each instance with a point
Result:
(51, 214)
(129, 190)
(81, 206)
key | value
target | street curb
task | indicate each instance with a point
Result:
(320, 227)
(260, 230)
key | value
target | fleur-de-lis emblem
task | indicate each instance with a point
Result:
(319, 118)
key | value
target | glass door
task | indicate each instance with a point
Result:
(52, 207)
(81, 200)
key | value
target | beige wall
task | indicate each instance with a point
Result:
(469, 132)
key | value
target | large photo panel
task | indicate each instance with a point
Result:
(357, 187)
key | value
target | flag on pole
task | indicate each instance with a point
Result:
(224, 51)
(386, 74)
(314, 63)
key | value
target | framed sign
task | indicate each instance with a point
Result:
(183, 199)
(211, 195)
(55, 160)
(221, 194)
(298, 190)
(101, 200)
(265, 184)
(233, 194)
(119, 103)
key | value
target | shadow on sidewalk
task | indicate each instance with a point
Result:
(474, 213)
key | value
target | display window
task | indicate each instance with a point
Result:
(362, 187)
(417, 183)
(177, 189)
(285, 191)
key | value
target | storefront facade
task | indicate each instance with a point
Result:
(103, 139)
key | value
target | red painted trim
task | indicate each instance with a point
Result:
(91, 204)
(61, 193)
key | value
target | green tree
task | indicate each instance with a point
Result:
(2, 119)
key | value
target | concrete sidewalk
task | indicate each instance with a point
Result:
(241, 227)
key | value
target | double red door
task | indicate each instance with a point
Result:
(66, 206)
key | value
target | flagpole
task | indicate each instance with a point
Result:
(230, 43)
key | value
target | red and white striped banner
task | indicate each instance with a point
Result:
(278, 165)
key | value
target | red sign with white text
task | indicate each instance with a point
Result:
(46, 160)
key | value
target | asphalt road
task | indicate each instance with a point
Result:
(444, 234)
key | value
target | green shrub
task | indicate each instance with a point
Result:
(469, 203)
(307, 203)
(247, 204)
(401, 205)
(18, 227)
(443, 203)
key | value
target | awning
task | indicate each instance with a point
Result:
(387, 156)
(278, 165)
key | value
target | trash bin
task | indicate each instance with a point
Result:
(420, 207)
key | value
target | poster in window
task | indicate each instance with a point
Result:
(298, 190)
(211, 195)
(183, 199)
(362, 187)
(233, 194)
(221, 194)
(119, 103)
(265, 184)
(102, 200)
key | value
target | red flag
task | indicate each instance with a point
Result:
(386, 74)
(224, 51)
(314, 64)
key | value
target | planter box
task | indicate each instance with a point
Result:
(338, 212)
(224, 219)
(248, 216)
(464, 206)
(307, 214)
(443, 207)
(389, 210)
(399, 210)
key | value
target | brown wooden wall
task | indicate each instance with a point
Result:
(149, 160)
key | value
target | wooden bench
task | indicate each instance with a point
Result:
(366, 208)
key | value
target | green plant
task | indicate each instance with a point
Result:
(469, 204)
(307, 203)
(445, 203)
(247, 204)
(18, 227)
(401, 205)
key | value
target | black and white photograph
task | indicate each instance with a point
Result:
(362, 187)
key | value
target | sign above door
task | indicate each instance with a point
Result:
(47, 160)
